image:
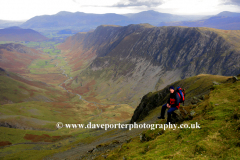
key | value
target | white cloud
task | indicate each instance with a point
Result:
(25, 9)
(196, 7)
(147, 3)
(96, 2)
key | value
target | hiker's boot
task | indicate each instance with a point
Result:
(161, 117)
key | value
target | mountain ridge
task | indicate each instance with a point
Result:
(131, 56)
(224, 20)
(87, 21)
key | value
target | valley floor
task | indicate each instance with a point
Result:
(33, 101)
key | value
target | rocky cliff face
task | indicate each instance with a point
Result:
(128, 62)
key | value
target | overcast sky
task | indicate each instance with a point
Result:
(26, 9)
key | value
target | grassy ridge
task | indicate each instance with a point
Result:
(16, 89)
(194, 86)
(219, 118)
(232, 36)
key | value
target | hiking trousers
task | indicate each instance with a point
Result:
(169, 112)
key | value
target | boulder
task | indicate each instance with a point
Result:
(177, 116)
(195, 100)
(215, 83)
(202, 97)
(192, 113)
(235, 79)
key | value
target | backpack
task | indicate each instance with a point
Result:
(181, 93)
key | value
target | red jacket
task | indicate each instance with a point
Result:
(174, 99)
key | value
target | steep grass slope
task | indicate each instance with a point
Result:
(217, 138)
(15, 88)
(16, 57)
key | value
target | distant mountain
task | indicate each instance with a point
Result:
(70, 20)
(85, 21)
(153, 17)
(19, 34)
(224, 20)
(229, 14)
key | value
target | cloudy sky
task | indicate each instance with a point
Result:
(26, 9)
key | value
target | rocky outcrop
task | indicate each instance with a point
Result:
(193, 96)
